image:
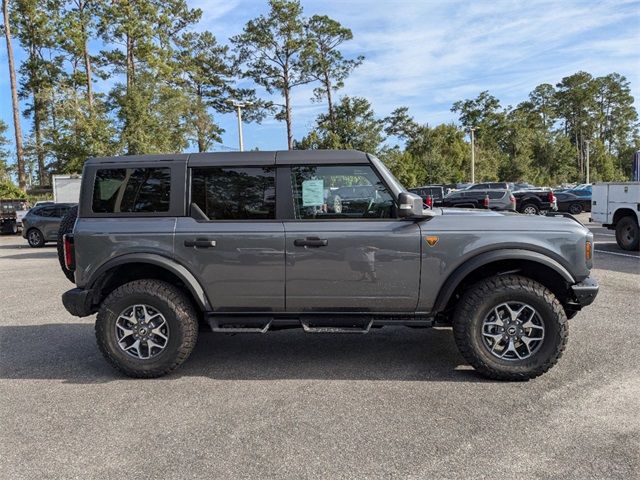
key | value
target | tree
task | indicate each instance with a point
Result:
(270, 48)
(36, 22)
(22, 179)
(151, 109)
(355, 127)
(322, 59)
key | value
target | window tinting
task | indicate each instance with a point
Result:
(235, 193)
(132, 190)
(345, 191)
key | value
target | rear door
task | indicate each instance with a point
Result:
(232, 241)
(348, 257)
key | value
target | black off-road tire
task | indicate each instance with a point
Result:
(66, 226)
(476, 304)
(35, 238)
(178, 311)
(628, 234)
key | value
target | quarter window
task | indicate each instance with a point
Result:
(132, 190)
(345, 191)
(235, 193)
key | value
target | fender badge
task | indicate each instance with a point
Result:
(431, 240)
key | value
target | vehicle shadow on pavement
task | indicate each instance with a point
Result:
(32, 253)
(68, 352)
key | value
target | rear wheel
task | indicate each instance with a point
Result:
(627, 233)
(575, 208)
(66, 226)
(510, 328)
(146, 328)
(35, 238)
(530, 209)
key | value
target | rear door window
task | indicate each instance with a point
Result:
(132, 190)
(235, 193)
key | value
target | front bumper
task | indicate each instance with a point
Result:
(78, 302)
(586, 291)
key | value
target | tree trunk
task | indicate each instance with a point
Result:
(22, 178)
(87, 71)
(287, 107)
(37, 128)
(327, 85)
(130, 64)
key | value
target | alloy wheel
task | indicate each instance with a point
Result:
(142, 331)
(513, 331)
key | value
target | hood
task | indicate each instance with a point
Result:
(474, 219)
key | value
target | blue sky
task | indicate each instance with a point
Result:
(428, 54)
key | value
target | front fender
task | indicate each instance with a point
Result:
(460, 273)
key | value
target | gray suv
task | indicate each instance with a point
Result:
(41, 223)
(328, 241)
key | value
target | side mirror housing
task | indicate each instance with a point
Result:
(410, 206)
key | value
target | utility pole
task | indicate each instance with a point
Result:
(587, 144)
(471, 131)
(239, 106)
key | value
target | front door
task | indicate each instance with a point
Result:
(232, 242)
(345, 249)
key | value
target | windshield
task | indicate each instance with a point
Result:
(395, 183)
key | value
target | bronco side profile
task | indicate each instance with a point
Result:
(328, 241)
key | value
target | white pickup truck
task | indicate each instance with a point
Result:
(616, 205)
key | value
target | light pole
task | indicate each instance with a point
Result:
(471, 131)
(587, 144)
(239, 106)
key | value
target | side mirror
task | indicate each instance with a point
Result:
(410, 206)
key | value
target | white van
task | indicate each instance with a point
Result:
(616, 205)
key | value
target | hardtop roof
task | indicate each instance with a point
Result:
(277, 157)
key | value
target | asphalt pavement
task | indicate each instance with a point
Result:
(396, 403)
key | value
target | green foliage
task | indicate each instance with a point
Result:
(354, 127)
(9, 190)
(4, 153)
(322, 61)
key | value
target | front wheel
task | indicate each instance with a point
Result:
(628, 234)
(35, 238)
(510, 328)
(146, 328)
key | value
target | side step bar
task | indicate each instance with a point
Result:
(239, 324)
(310, 323)
(307, 327)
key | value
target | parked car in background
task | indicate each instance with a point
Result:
(534, 202)
(436, 192)
(569, 202)
(489, 185)
(491, 199)
(41, 223)
(616, 205)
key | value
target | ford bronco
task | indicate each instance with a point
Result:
(164, 245)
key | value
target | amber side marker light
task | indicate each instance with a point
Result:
(587, 251)
(431, 240)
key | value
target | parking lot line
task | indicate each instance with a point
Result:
(620, 254)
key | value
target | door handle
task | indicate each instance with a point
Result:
(313, 242)
(200, 243)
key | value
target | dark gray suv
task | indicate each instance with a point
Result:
(328, 241)
(41, 223)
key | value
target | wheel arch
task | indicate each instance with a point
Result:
(620, 213)
(129, 267)
(534, 265)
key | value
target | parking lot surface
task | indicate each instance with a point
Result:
(394, 403)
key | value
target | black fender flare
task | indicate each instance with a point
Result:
(167, 263)
(460, 273)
